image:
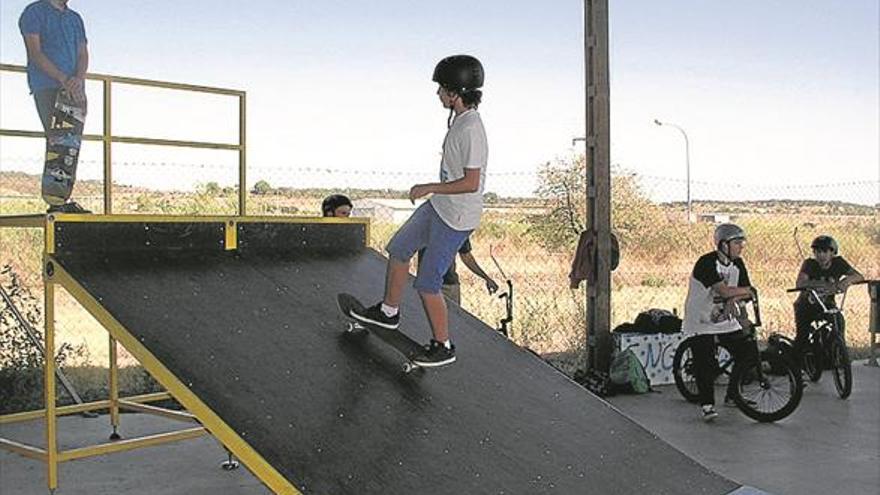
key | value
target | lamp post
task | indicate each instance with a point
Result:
(687, 159)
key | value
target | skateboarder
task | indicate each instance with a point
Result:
(58, 57)
(441, 224)
(336, 205)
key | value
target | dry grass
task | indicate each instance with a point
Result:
(549, 317)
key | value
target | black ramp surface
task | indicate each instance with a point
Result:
(260, 340)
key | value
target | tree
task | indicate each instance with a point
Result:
(562, 185)
(262, 188)
(210, 189)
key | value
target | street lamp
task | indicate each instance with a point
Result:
(687, 159)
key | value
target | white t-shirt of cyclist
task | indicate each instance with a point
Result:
(702, 315)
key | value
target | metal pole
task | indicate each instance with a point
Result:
(49, 379)
(687, 161)
(107, 138)
(242, 155)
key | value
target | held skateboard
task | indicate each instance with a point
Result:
(63, 140)
(404, 345)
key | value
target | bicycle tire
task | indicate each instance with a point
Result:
(683, 365)
(773, 398)
(841, 368)
(682, 371)
(813, 361)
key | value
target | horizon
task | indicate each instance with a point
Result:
(512, 197)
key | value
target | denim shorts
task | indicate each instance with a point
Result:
(425, 229)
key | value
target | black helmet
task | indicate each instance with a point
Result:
(824, 243)
(459, 73)
(330, 203)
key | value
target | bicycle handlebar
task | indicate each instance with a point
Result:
(827, 289)
(751, 297)
(820, 292)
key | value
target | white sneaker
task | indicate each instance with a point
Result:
(709, 413)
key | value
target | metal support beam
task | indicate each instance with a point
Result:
(135, 443)
(23, 449)
(598, 157)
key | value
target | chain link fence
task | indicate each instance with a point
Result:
(530, 226)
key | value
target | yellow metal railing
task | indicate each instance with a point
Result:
(108, 138)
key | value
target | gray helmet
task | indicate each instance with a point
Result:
(459, 73)
(825, 243)
(727, 232)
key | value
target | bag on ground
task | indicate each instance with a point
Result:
(628, 374)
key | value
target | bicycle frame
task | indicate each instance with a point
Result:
(818, 294)
(508, 299)
(749, 349)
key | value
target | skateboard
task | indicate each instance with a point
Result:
(404, 345)
(63, 140)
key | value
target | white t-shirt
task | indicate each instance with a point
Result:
(465, 146)
(702, 315)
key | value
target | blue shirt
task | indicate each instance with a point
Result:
(61, 32)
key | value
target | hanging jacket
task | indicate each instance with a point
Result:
(584, 264)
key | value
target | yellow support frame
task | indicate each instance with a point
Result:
(196, 411)
(56, 275)
(129, 403)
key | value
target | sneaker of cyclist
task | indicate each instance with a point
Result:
(828, 270)
(718, 274)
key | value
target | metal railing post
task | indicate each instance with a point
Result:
(108, 156)
(242, 154)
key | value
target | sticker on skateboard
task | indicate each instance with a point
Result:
(63, 141)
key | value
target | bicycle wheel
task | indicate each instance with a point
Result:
(841, 368)
(767, 397)
(812, 359)
(683, 369)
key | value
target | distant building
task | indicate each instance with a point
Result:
(716, 217)
(385, 210)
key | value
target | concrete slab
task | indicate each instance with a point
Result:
(191, 467)
(827, 446)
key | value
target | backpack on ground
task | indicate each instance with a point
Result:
(627, 373)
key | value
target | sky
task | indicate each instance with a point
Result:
(781, 93)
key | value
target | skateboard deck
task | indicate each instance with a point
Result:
(63, 141)
(404, 345)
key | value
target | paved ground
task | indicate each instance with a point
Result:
(189, 467)
(826, 446)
